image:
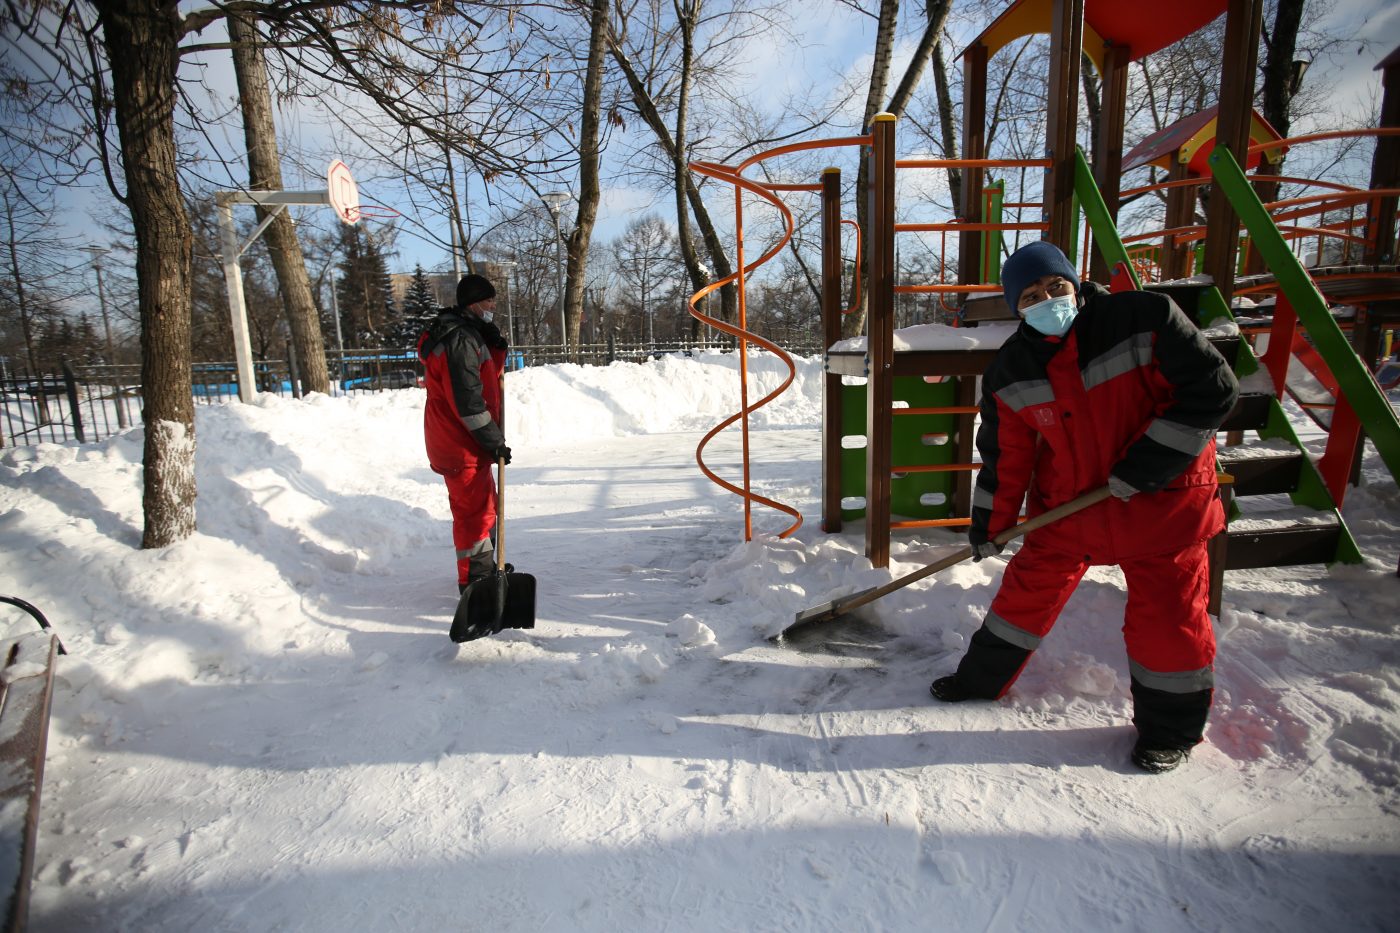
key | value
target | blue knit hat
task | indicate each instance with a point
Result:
(1031, 262)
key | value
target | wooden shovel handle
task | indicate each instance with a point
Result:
(963, 553)
(501, 514)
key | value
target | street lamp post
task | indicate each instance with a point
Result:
(97, 252)
(555, 201)
(509, 265)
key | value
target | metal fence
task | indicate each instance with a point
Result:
(90, 403)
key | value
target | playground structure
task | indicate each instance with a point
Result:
(916, 411)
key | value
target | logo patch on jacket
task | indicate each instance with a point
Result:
(1045, 417)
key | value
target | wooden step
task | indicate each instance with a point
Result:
(1252, 548)
(1260, 471)
(1185, 294)
(1250, 413)
(1227, 346)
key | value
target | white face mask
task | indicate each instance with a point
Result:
(487, 316)
(1053, 316)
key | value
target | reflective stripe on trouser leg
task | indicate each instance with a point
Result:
(471, 494)
(1034, 588)
(1171, 646)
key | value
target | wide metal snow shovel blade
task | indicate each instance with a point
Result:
(844, 604)
(504, 599)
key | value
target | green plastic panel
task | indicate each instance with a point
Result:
(991, 239)
(908, 490)
(1106, 238)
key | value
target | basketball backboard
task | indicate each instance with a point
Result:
(343, 194)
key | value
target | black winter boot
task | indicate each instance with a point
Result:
(1158, 760)
(949, 690)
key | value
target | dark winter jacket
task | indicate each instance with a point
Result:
(1132, 389)
(464, 358)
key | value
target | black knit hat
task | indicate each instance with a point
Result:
(474, 288)
(1029, 263)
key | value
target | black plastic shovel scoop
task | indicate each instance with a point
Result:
(501, 600)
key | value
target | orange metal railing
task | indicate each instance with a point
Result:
(1340, 197)
(734, 175)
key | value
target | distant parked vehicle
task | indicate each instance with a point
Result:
(49, 385)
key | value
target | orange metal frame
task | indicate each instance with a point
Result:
(734, 176)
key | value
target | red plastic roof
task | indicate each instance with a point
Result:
(1146, 28)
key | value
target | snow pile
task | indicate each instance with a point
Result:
(265, 726)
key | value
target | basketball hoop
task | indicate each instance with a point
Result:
(372, 212)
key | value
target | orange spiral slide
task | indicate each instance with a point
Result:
(734, 176)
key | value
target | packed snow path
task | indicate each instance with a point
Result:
(266, 728)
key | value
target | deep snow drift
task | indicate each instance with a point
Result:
(266, 728)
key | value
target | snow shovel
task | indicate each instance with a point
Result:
(855, 600)
(501, 600)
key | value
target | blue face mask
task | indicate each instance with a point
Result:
(487, 316)
(1053, 316)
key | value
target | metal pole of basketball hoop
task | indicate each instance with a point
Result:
(343, 197)
(555, 201)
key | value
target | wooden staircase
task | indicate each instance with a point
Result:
(1279, 512)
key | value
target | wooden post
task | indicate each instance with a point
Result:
(1385, 168)
(974, 147)
(832, 275)
(966, 394)
(1180, 212)
(1241, 55)
(879, 388)
(1066, 45)
(1108, 148)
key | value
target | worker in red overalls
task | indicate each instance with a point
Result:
(464, 356)
(1093, 389)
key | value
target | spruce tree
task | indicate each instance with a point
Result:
(419, 308)
(367, 313)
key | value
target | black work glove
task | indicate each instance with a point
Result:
(981, 546)
(502, 454)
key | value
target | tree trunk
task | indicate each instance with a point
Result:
(946, 123)
(1093, 103)
(854, 323)
(1281, 44)
(687, 11)
(265, 173)
(589, 188)
(141, 41)
(25, 324)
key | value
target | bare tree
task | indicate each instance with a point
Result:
(649, 87)
(120, 71)
(589, 148)
(936, 14)
(30, 242)
(647, 262)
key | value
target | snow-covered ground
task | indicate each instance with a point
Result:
(266, 728)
